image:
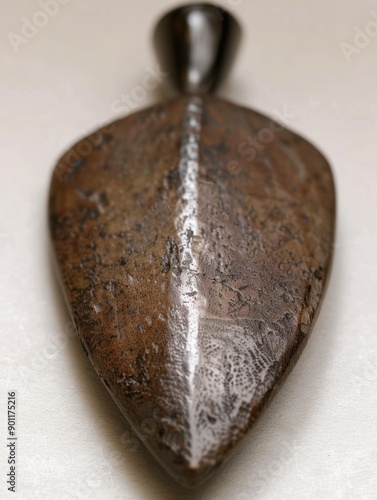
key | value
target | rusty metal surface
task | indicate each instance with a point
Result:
(194, 265)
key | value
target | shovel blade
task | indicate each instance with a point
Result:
(194, 241)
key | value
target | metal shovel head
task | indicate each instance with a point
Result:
(193, 241)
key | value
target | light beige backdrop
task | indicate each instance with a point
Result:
(65, 72)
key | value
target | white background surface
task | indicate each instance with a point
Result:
(319, 437)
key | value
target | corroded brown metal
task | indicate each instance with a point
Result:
(194, 263)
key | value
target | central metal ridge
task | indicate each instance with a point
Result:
(186, 298)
